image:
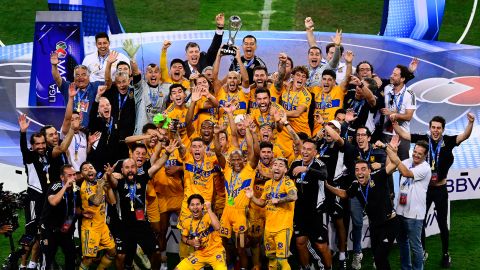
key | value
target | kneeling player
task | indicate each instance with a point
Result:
(201, 232)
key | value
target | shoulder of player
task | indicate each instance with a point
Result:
(56, 186)
(170, 108)
(318, 163)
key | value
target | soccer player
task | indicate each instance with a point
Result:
(204, 105)
(440, 159)
(266, 110)
(178, 110)
(200, 231)
(296, 101)
(96, 62)
(95, 234)
(249, 59)
(238, 176)
(373, 191)
(310, 218)
(279, 196)
(57, 223)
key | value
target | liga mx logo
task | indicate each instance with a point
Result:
(451, 98)
(61, 49)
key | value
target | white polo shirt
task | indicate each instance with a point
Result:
(399, 103)
(416, 190)
(96, 65)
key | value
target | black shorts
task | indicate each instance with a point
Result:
(33, 211)
(139, 233)
(314, 227)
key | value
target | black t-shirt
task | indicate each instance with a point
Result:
(249, 66)
(123, 110)
(138, 186)
(53, 217)
(55, 164)
(445, 156)
(308, 187)
(329, 153)
(360, 107)
(378, 205)
(371, 155)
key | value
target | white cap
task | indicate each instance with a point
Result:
(336, 124)
(239, 118)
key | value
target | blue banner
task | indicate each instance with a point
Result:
(63, 36)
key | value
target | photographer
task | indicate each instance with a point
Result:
(57, 222)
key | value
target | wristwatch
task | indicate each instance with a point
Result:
(286, 123)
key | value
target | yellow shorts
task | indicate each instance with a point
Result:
(195, 262)
(94, 240)
(169, 204)
(233, 219)
(153, 211)
(277, 244)
(256, 221)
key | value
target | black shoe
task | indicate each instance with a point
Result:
(446, 261)
(342, 264)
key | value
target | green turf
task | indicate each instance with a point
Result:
(17, 20)
(464, 239)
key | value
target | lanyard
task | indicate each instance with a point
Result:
(408, 180)
(323, 103)
(243, 142)
(65, 195)
(77, 144)
(302, 175)
(110, 124)
(79, 97)
(234, 96)
(275, 194)
(194, 234)
(196, 168)
(398, 105)
(153, 97)
(101, 60)
(233, 182)
(357, 105)
(249, 63)
(368, 155)
(263, 120)
(121, 103)
(435, 154)
(324, 148)
(365, 195)
(45, 164)
(132, 190)
(312, 74)
(290, 104)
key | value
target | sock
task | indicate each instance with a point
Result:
(104, 263)
(32, 264)
(283, 264)
(341, 256)
(272, 264)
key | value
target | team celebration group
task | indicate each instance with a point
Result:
(255, 164)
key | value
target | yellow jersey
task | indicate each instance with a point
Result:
(202, 113)
(240, 100)
(180, 114)
(164, 71)
(165, 185)
(280, 216)
(87, 190)
(326, 104)
(235, 183)
(210, 240)
(198, 177)
(291, 100)
(261, 118)
(274, 96)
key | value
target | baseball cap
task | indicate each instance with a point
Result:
(336, 124)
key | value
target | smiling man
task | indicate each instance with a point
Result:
(249, 59)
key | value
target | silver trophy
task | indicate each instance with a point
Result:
(235, 23)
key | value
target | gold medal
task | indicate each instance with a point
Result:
(433, 165)
(131, 206)
(48, 178)
(76, 156)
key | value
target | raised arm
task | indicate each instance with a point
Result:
(335, 136)
(131, 50)
(215, 223)
(296, 140)
(252, 142)
(278, 83)
(218, 148)
(55, 73)
(163, 60)
(400, 131)
(55, 199)
(217, 84)
(468, 130)
(348, 73)
(337, 191)
(24, 123)
(97, 198)
(72, 92)
(217, 39)
(309, 27)
(112, 58)
(243, 70)
(337, 40)
(63, 147)
(196, 95)
(163, 159)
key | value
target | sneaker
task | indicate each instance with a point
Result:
(357, 261)
(163, 266)
(446, 261)
(342, 264)
(425, 256)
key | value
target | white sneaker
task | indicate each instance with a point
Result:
(163, 266)
(357, 261)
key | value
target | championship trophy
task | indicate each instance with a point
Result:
(235, 23)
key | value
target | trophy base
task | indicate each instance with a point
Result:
(228, 50)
